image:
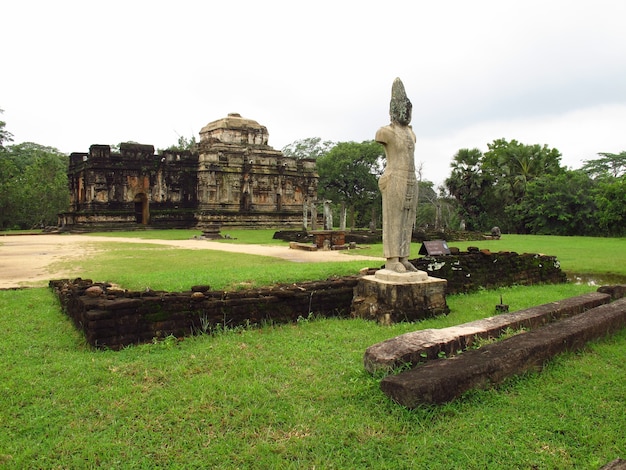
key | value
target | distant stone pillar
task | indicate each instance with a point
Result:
(313, 216)
(342, 216)
(328, 216)
(305, 214)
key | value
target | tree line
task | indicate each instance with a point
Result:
(517, 187)
(33, 183)
(525, 189)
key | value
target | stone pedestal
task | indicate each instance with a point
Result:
(211, 231)
(389, 297)
(327, 239)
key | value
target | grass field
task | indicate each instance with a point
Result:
(291, 396)
(139, 266)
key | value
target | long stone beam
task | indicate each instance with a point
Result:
(443, 380)
(417, 346)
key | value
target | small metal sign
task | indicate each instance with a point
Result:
(434, 248)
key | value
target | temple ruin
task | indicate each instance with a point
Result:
(233, 179)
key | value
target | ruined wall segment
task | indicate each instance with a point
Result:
(239, 172)
(130, 188)
(233, 179)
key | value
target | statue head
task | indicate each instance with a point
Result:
(400, 106)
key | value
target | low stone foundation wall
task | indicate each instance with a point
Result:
(471, 270)
(114, 318)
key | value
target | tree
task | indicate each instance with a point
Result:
(348, 174)
(436, 211)
(609, 164)
(469, 186)
(5, 136)
(611, 203)
(513, 165)
(8, 192)
(486, 185)
(33, 185)
(311, 147)
(184, 144)
(557, 205)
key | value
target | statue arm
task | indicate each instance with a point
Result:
(382, 135)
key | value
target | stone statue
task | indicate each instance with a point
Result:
(398, 184)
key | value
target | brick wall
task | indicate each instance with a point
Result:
(469, 271)
(115, 318)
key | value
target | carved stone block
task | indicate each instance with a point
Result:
(389, 298)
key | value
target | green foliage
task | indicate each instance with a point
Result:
(183, 144)
(471, 187)
(608, 165)
(523, 189)
(557, 205)
(510, 167)
(611, 206)
(5, 136)
(311, 147)
(33, 185)
(513, 165)
(435, 211)
(349, 174)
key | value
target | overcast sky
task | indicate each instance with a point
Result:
(76, 73)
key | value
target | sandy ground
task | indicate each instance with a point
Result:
(32, 260)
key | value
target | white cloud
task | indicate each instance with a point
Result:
(77, 73)
(579, 135)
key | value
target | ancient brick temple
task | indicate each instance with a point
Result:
(233, 179)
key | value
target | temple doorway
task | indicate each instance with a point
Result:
(142, 213)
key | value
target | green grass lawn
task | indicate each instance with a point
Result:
(290, 396)
(577, 255)
(138, 266)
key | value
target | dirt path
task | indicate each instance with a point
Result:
(29, 260)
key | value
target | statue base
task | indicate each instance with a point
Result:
(389, 297)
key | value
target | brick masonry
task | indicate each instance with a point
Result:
(115, 318)
(474, 269)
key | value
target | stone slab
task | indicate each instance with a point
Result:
(443, 380)
(302, 246)
(417, 346)
(393, 277)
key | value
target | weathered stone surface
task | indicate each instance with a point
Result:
(616, 292)
(418, 346)
(390, 302)
(443, 380)
(232, 178)
(475, 269)
(393, 277)
(94, 291)
(132, 317)
(398, 184)
(302, 246)
(617, 464)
